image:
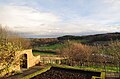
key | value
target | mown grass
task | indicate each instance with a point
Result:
(88, 68)
(76, 68)
(95, 68)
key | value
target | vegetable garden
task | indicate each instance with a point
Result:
(60, 73)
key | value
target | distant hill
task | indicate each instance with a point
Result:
(88, 39)
(36, 42)
(92, 38)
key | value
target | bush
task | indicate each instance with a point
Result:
(77, 53)
(9, 44)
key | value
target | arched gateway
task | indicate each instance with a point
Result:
(28, 59)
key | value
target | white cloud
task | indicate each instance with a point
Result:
(26, 19)
(29, 21)
(111, 1)
(75, 28)
(107, 12)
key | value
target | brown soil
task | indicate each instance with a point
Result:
(60, 73)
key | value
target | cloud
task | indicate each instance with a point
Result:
(26, 19)
(111, 1)
(29, 18)
(71, 28)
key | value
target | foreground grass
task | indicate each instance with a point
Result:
(95, 68)
(88, 68)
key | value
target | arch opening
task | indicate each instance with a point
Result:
(23, 61)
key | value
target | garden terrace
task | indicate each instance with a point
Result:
(62, 73)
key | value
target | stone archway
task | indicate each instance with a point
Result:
(29, 60)
(23, 61)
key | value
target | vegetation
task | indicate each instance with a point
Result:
(76, 53)
(37, 42)
(57, 43)
(43, 53)
(101, 54)
(113, 50)
(100, 68)
(92, 57)
(91, 39)
(90, 53)
(52, 47)
(9, 44)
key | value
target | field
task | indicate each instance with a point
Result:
(47, 49)
(100, 68)
(43, 53)
(51, 47)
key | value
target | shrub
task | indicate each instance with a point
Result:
(77, 53)
(9, 44)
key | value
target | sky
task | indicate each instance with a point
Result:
(54, 18)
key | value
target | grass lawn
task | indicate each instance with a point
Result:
(89, 68)
(95, 68)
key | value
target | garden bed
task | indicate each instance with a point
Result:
(63, 73)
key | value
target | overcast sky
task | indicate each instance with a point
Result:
(53, 18)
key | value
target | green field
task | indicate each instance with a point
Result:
(51, 47)
(48, 47)
(43, 53)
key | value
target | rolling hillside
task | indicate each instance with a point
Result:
(93, 38)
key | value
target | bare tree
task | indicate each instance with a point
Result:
(77, 53)
(114, 50)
